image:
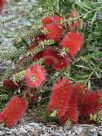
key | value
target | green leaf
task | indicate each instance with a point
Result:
(85, 5)
(81, 6)
(94, 17)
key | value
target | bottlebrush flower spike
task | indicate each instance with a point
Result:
(72, 111)
(88, 101)
(80, 89)
(89, 104)
(50, 56)
(55, 32)
(61, 93)
(10, 84)
(35, 41)
(2, 2)
(73, 42)
(53, 59)
(37, 56)
(35, 76)
(63, 62)
(13, 111)
(51, 19)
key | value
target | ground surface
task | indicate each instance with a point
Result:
(12, 24)
(35, 129)
(13, 20)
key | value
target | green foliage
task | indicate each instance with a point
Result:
(7, 73)
(18, 77)
(11, 54)
(3, 99)
(99, 117)
(50, 7)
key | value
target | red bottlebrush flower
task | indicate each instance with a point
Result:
(50, 56)
(55, 32)
(35, 41)
(73, 42)
(10, 84)
(53, 59)
(2, 2)
(89, 104)
(40, 38)
(51, 19)
(80, 89)
(72, 111)
(79, 102)
(72, 108)
(24, 87)
(61, 93)
(35, 76)
(88, 101)
(63, 62)
(38, 56)
(13, 111)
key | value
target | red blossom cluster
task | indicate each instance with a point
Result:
(51, 19)
(54, 59)
(69, 101)
(71, 41)
(72, 101)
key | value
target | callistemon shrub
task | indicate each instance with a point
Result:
(49, 53)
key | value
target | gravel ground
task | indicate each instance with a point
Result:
(35, 129)
(9, 30)
(14, 11)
